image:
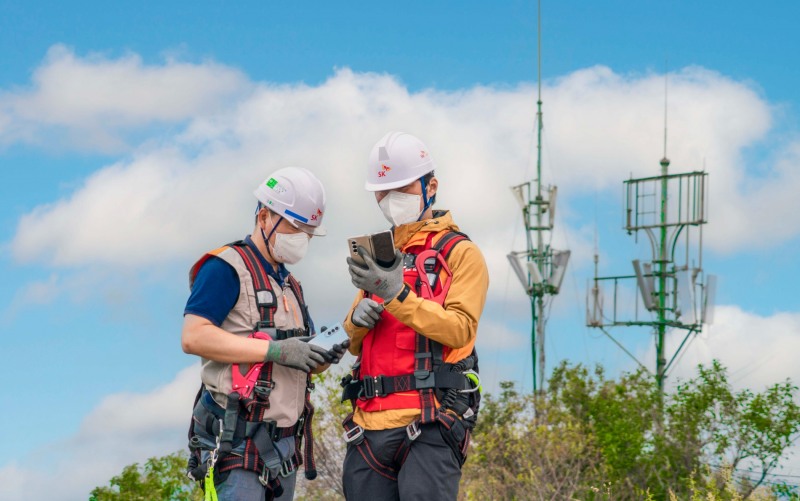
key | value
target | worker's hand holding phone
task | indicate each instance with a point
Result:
(379, 246)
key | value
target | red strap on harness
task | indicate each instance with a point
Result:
(245, 384)
(425, 287)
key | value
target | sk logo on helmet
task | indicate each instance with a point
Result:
(385, 169)
(315, 216)
(423, 154)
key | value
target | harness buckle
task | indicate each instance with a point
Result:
(264, 388)
(413, 431)
(425, 379)
(371, 387)
(266, 327)
(287, 468)
(263, 478)
(354, 435)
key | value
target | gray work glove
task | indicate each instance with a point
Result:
(383, 282)
(336, 353)
(295, 352)
(367, 313)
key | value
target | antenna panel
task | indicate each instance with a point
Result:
(559, 267)
(519, 196)
(644, 287)
(686, 303)
(513, 259)
(709, 300)
(534, 272)
(553, 195)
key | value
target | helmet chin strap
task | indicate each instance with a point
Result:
(267, 237)
(426, 202)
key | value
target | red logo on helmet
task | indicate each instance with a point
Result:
(385, 168)
(423, 154)
(318, 214)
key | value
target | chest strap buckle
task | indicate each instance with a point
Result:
(371, 387)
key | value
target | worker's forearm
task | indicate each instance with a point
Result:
(209, 341)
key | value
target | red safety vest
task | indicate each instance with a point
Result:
(389, 348)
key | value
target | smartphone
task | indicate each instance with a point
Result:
(330, 336)
(380, 246)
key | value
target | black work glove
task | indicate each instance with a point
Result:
(337, 351)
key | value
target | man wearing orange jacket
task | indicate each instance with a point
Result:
(413, 326)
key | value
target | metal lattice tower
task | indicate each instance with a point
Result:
(539, 268)
(670, 209)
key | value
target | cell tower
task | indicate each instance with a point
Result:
(540, 268)
(670, 209)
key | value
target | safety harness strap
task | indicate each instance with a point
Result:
(244, 417)
(429, 353)
(354, 434)
(305, 432)
(430, 374)
(379, 386)
(265, 297)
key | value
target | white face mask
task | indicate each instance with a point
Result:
(290, 248)
(401, 208)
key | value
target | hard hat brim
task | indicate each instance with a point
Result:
(317, 231)
(388, 186)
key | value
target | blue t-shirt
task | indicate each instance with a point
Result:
(216, 287)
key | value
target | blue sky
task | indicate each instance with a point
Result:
(130, 138)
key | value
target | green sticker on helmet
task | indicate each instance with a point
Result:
(272, 182)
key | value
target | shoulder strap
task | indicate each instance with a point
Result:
(265, 297)
(298, 293)
(448, 241)
(429, 355)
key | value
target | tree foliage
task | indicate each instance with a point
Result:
(160, 479)
(587, 437)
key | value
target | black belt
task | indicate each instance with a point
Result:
(380, 386)
(279, 334)
(275, 432)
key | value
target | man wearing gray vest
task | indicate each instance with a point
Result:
(247, 320)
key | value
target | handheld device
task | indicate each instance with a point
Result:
(380, 247)
(326, 338)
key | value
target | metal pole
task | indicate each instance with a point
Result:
(540, 250)
(661, 328)
(540, 341)
(533, 340)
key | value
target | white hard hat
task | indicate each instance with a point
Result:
(296, 195)
(397, 160)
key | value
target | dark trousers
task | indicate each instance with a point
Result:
(431, 471)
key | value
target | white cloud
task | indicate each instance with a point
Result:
(121, 430)
(37, 292)
(186, 193)
(89, 98)
(758, 351)
(497, 336)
